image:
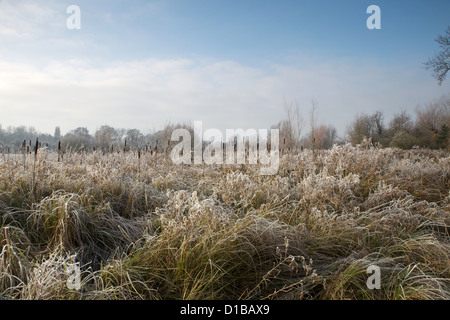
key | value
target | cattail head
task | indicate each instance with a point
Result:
(36, 147)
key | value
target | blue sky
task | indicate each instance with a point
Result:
(141, 64)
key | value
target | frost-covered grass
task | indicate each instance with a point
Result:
(146, 230)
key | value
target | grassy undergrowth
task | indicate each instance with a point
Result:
(141, 229)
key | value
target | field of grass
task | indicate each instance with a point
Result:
(143, 228)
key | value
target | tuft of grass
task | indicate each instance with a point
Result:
(143, 228)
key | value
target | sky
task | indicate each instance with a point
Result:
(228, 63)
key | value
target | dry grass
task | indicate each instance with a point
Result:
(142, 229)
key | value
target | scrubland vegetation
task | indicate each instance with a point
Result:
(143, 228)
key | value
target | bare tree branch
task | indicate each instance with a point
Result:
(440, 63)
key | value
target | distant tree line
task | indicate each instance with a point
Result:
(429, 128)
(105, 139)
(318, 135)
(13, 138)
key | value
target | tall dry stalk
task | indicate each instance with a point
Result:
(59, 151)
(24, 155)
(34, 182)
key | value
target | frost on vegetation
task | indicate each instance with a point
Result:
(323, 190)
(383, 194)
(49, 279)
(242, 191)
(185, 211)
(164, 182)
(348, 204)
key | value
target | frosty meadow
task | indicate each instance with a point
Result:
(237, 148)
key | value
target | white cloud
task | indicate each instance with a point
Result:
(25, 19)
(72, 92)
(223, 94)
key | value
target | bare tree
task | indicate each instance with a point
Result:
(104, 136)
(360, 128)
(440, 63)
(403, 140)
(434, 115)
(330, 137)
(400, 122)
(366, 126)
(324, 136)
(134, 137)
(431, 120)
(291, 127)
(77, 139)
(400, 131)
(378, 125)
